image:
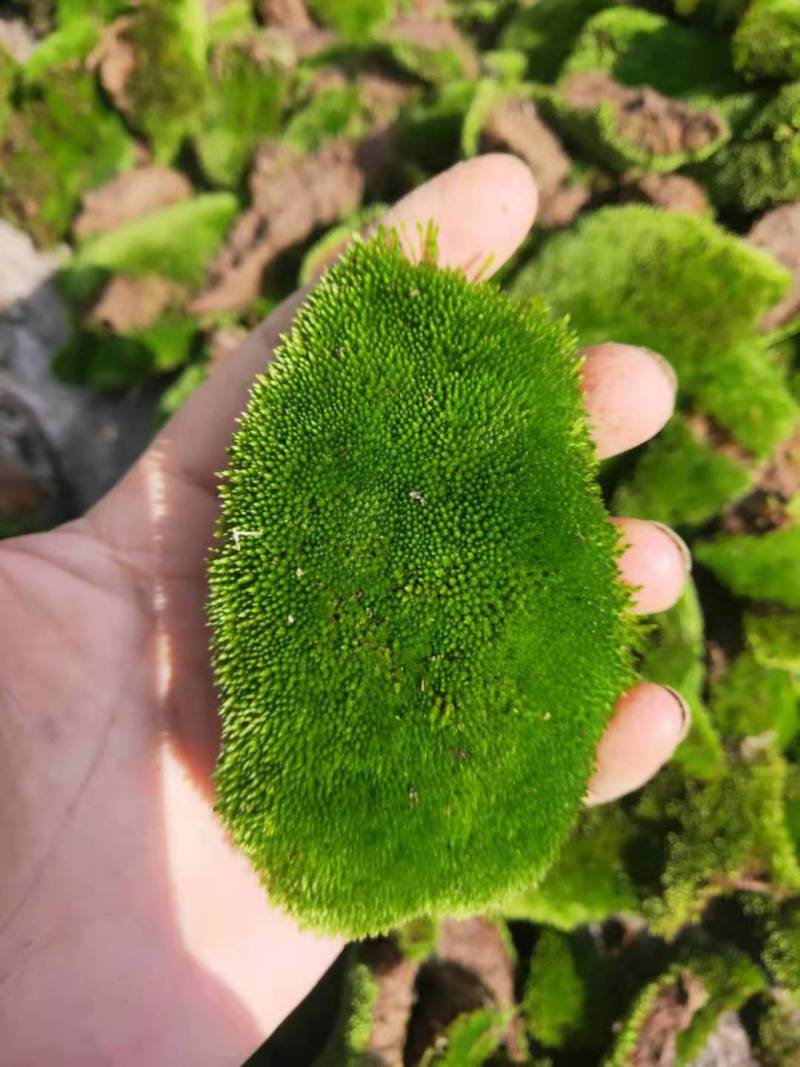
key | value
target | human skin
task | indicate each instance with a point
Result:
(131, 931)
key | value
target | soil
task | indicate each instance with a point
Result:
(292, 195)
(778, 233)
(673, 192)
(646, 119)
(515, 126)
(472, 969)
(391, 1012)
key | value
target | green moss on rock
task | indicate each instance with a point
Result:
(589, 881)
(774, 638)
(176, 242)
(412, 547)
(761, 169)
(767, 42)
(242, 108)
(723, 831)
(765, 567)
(683, 286)
(752, 700)
(58, 143)
(681, 480)
(470, 1041)
(168, 83)
(639, 47)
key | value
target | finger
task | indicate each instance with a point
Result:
(483, 208)
(655, 563)
(649, 723)
(630, 395)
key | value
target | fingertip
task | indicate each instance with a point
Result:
(656, 563)
(649, 723)
(630, 395)
(483, 209)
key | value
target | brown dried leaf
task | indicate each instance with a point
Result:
(778, 233)
(129, 196)
(646, 118)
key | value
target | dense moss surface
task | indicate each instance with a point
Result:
(412, 549)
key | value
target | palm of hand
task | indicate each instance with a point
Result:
(129, 929)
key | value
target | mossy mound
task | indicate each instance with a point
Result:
(412, 548)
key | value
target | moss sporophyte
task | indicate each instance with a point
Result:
(418, 626)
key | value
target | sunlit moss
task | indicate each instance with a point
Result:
(759, 567)
(683, 286)
(767, 42)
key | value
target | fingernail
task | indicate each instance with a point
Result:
(686, 711)
(679, 543)
(666, 367)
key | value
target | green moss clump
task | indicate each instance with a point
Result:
(723, 831)
(779, 1036)
(176, 242)
(638, 47)
(417, 940)
(554, 1004)
(681, 480)
(712, 291)
(356, 20)
(411, 549)
(747, 393)
(546, 33)
(589, 881)
(598, 134)
(58, 143)
(762, 167)
(767, 42)
(782, 950)
(242, 108)
(469, 1041)
(115, 361)
(168, 82)
(775, 639)
(103, 11)
(752, 700)
(708, 984)
(348, 1042)
(763, 567)
(331, 114)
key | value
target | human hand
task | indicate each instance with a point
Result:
(130, 930)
